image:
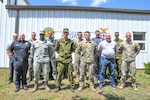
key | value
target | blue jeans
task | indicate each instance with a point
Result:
(110, 63)
(96, 65)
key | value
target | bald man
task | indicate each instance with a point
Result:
(107, 49)
(11, 58)
(129, 50)
(20, 50)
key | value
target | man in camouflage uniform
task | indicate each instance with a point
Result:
(118, 58)
(30, 61)
(129, 50)
(77, 56)
(64, 47)
(41, 51)
(50, 39)
(88, 49)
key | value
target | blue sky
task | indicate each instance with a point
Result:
(127, 4)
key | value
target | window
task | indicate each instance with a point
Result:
(140, 38)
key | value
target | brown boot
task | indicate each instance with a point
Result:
(35, 87)
(46, 86)
(121, 86)
(80, 88)
(93, 89)
(135, 88)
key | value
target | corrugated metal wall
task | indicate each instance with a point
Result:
(7, 22)
(36, 20)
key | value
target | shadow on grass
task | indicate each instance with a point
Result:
(113, 97)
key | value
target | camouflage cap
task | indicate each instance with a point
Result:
(66, 30)
(116, 33)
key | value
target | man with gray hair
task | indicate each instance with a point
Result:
(11, 58)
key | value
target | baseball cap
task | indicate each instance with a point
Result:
(66, 30)
(42, 33)
(116, 33)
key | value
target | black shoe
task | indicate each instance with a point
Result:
(29, 80)
(25, 88)
(57, 89)
(10, 82)
(17, 90)
(72, 89)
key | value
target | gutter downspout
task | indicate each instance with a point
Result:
(16, 19)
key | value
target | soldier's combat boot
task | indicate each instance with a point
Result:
(46, 86)
(77, 80)
(93, 89)
(121, 86)
(80, 88)
(35, 87)
(135, 88)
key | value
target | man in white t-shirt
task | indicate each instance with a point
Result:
(107, 49)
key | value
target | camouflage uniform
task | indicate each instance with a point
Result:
(129, 52)
(88, 50)
(30, 62)
(41, 52)
(77, 58)
(118, 60)
(64, 60)
(52, 74)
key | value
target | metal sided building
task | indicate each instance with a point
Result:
(26, 18)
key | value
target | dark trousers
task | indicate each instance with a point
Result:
(96, 65)
(11, 67)
(20, 73)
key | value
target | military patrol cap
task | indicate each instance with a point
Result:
(116, 33)
(42, 32)
(66, 30)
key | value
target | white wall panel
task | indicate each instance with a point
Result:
(7, 20)
(37, 20)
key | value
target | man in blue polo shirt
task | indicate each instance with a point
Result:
(97, 40)
(107, 49)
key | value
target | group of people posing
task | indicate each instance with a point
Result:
(92, 58)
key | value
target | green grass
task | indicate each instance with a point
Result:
(143, 83)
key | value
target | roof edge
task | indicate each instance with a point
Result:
(27, 2)
(28, 7)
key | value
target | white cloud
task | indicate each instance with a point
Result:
(73, 2)
(96, 3)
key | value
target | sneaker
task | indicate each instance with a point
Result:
(25, 87)
(135, 88)
(17, 90)
(80, 88)
(100, 91)
(121, 86)
(72, 89)
(57, 89)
